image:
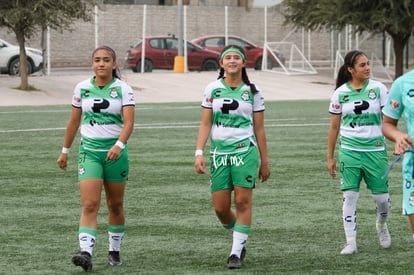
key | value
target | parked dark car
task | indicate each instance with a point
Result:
(160, 52)
(254, 53)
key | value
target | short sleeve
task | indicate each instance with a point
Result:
(76, 98)
(259, 102)
(207, 99)
(335, 106)
(128, 97)
(394, 106)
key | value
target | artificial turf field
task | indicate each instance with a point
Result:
(171, 225)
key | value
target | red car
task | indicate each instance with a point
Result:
(254, 53)
(160, 52)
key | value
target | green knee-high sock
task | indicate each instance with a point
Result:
(87, 239)
(240, 235)
(230, 226)
(115, 236)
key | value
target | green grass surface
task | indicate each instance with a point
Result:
(171, 226)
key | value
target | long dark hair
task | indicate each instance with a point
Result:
(245, 78)
(115, 72)
(349, 62)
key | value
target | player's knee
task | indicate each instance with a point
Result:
(90, 207)
(116, 209)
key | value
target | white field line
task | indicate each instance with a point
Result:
(183, 125)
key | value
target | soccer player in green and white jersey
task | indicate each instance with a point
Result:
(233, 113)
(400, 104)
(355, 109)
(103, 106)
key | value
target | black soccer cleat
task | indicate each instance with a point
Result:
(84, 260)
(233, 262)
(114, 258)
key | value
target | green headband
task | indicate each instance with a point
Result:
(233, 50)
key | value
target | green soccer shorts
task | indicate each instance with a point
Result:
(93, 164)
(356, 166)
(238, 169)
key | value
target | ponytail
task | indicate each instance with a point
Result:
(349, 62)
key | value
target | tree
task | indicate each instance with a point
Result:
(28, 17)
(394, 17)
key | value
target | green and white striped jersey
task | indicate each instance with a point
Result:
(361, 118)
(102, 120)
(232, 119)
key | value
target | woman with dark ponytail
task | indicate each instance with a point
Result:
(356, 118)
(103, 107)
(233, 112)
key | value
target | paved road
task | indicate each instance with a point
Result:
(164, 86)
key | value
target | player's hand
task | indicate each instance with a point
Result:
(200, 165)
(62, 161)
(113, 153)
(402, 143)
(264, 172)
(332, 167)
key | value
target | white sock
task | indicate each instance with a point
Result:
(239, 240)
(115, 240)
(383, 204)
(86, 242)
(349, 215)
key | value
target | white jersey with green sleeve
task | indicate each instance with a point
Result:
(232, 119)
(102, 119)
(361, 119)
(401, 101)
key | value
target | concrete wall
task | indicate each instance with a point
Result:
(119, 26)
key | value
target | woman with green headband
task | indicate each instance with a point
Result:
(233, 118)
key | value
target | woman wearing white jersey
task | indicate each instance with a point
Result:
(233, 112)
(103, 106)
(355, 110)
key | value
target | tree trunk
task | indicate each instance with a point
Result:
(24, 79)
(400, 41)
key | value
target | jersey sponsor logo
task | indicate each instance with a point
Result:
(93, 122)
(360, 106)
(99, 104)
(229, 105)
(209, 100)
(227, 160)
(394, 104)
(335, 106)
(361, 120)
(76, 99)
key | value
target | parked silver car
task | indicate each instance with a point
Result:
(10, 62)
